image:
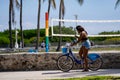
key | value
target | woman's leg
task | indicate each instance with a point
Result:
(81, 52)
(85, 53)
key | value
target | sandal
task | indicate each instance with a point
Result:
(85, 70)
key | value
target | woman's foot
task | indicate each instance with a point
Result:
(85, 70)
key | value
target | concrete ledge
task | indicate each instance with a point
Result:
(47, 61)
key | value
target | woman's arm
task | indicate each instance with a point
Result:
(76, 36)
(79, 39)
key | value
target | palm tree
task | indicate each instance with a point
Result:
(61, 16)
(12, 18)
(49, 5)
(21, 29)
(117, 3)
(38, 25)
(38, 19)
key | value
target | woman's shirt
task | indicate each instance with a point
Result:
(83, 36)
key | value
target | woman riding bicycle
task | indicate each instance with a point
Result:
(83, 52)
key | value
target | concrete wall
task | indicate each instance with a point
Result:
(27, 62)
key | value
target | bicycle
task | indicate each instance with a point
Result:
(66, 61)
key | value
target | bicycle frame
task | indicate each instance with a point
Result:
(91, 56)
(73, 56)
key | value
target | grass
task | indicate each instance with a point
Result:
(93, 78)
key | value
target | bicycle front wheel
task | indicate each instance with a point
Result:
(95, 65)
(65, 63)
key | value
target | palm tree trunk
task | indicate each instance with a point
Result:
(21, 30)
(49, 7)
(10, 28)
(60, 38)
(38, 24)
(51, 2)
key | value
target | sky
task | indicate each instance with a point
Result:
(90, 10)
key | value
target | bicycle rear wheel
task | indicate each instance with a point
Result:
(65, 63)
(95, 65)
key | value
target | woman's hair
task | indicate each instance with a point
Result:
(80, 28)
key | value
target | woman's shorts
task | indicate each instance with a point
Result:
(87, 44)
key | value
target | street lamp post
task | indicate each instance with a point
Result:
(16, 43)
(76, 18)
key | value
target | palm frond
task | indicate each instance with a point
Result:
(117, 4)
(53, 3)
(80, 2)
(44, 0)
(17, 4)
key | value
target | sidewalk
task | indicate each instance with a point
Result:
(55, 74)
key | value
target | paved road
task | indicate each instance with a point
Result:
(43, 75)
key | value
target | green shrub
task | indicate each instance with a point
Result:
(112, 41)
(4, 40)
